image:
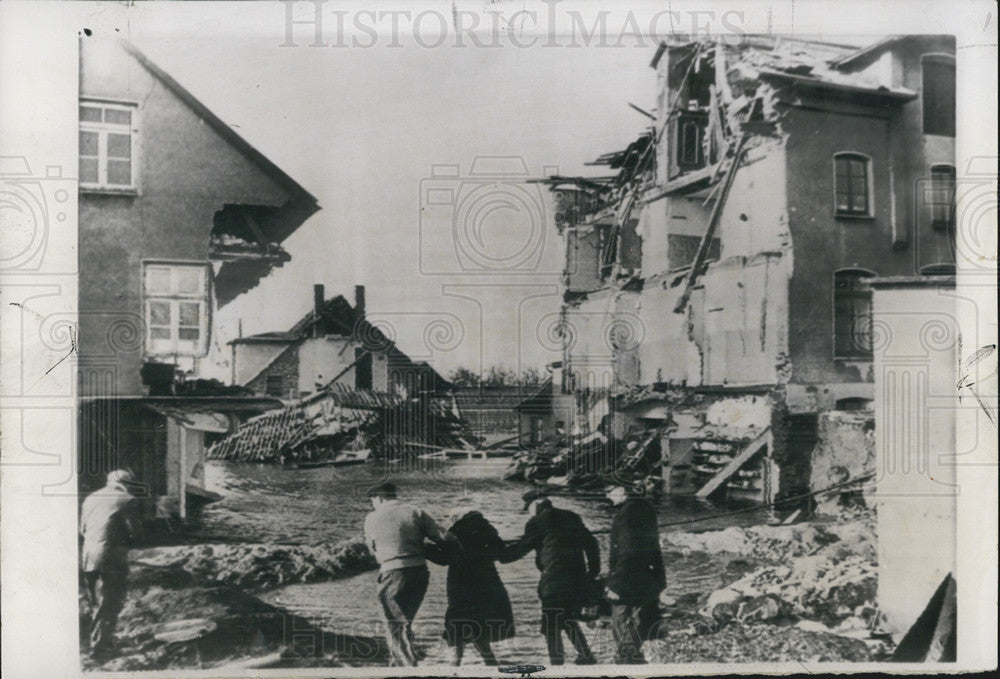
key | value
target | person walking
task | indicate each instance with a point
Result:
(479, 610)
(561, 543)
(110, 523)
(395, 534)
(635, 573)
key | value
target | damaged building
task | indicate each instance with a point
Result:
(178, 216)
(333, 343)
(717, 285)
(348, 392)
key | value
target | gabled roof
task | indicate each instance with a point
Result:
(338, 317)
(225, 131)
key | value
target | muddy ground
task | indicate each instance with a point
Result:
(822, 575)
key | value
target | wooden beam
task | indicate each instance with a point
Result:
(685, 183)
(642, 111)
(713, 222)
(744, 456)
(347, 369)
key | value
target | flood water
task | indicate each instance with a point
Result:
(268, 503)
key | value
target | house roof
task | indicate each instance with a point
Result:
(338, 317)
(865, 54)
(540, 401)
(225, 131)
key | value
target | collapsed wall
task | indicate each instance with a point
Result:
(845, 451)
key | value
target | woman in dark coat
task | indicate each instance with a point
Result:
(479, 610)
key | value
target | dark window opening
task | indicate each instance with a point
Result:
(939, 94)
(854, 403)
(941, 198)
(362, 368)
(609, 249)
(274, 385)
(852, 310)
(851, 185)
(938, 270)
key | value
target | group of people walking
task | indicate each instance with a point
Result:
(403, 537)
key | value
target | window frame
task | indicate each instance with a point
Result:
(103, 129)
(175, 298)
(857, 354)
(946, 60)
(933, 205)
(850, 213)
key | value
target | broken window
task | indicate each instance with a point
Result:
(175, 300)
(687, 140)
(108, 149)
(852, 314)
(941, 197)
(851, 185)
(939, 94)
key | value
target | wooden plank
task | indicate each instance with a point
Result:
(713, 222)
(752, 448)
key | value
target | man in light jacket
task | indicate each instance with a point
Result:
(636, 574)
(109, 523)
(395, 534)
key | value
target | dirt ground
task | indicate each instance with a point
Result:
(276, 603)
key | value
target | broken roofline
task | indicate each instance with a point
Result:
(898, 95)
(304, 200)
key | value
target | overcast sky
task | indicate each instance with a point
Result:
(362, 129)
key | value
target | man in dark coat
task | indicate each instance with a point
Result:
(479, 610)
(635, 573)
(561, 542)
(109, 523)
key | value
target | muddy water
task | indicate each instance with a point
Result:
(315, 506)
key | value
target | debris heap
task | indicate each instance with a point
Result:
(341, 420)
(589, 461)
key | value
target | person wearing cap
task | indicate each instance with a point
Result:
(569, 558)
(395, 533)
(110, 523)
(635, 573)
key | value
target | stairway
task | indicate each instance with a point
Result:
(730, 468)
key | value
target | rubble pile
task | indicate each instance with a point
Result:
(581, 462)
(767, 543)
(239, 626)
(260, 566)
(337, 419)
(757, 643)
(822, 578)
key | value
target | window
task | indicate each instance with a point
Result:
(107, 145)
(852, 310)
(851, 185)
(939, 94)
(941, 196)
(274, 385)
(687, 138)
(175, 300)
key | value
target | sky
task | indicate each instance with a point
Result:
(461, 265)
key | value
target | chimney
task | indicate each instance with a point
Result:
(318, 300)
(359, 303)
(556, 370)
